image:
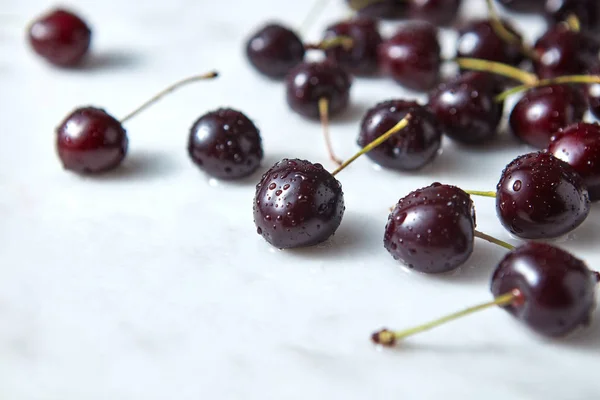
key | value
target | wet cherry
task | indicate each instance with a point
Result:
(437, 12)
(411, 149)
(225, 144)
(431, 230)
(412, 56)
(274, 50)
(579, 146)
(361, 57)
(541, 197)
(543, 111)
(478, 39)
(593, 92)
(61, 37)
(466, 109)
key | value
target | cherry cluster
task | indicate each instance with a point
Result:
(540, 195)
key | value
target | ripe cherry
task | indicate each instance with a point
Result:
(593, 92)
(466, 109)
(274, 50)
(90, 140)
(478, 39)
(411, 149)
(412, 56)
(61, 37)
(381, 9)
(298, 203)
(541, 197)
(361, 57)
(579, 146)
(546, 288)
(544, 110)
(225, 144)
(437, 12)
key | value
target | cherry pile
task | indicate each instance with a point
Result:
(543, 194)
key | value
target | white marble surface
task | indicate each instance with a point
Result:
(151, 283)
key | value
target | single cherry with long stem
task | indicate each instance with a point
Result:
(89, 140)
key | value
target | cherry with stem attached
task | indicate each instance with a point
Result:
(89, 140)
(546, 288)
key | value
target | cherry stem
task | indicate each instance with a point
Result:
(324, 113)
(344, 41)
(358, 5)
(389, 338)
(492, 239)
(168, 90)
(481, 193)
(506, 35)
(497, 68)
(317, 7)
(573, 23)
(551, 81)
(395, 129)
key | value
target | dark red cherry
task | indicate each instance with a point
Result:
(528, 6)
(543, 111)
(61, 37)
(437, 12)
(562, 51)
(410, 149)
(90, 140)
(541, 197)
(586, 11)
(380, 9)
(558, 290)
(432, 229)
(297, 204)
(593, 92)
(309, 82)
(274, 50)
(412, 56)
(478, 39)
(361, 58)
(225, 144)
(466, 109)
(579, 146)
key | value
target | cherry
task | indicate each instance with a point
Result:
(432, 229)
(411, 149)
(549, 290)
(274, 50)
(361, 57)
(529, 6)
(586, 11)
(381, 9)
(61, 37)
(412, 56)
(478, 39)
(541, 197)
(579, 146)
(225, 144)
(593, 92)
(89, 140)
(466, 109)
(437, 12)
(298, 203)
(544, 110)
(558, 289)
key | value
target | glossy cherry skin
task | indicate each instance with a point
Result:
(562, 51)
(309, 82)
(411, 148)
(541, 197)
(90, 140)
(593, 92)
(383, 9)
(412, 56)
(225, 144)
(297, 204)
(431, 230)
(586, 11)
(361, 59)
(466, 109)
(60, 37)
(579, 146)
(437, 12)
(558, 290)
(275, 50)
(543, 111)
(479, 40)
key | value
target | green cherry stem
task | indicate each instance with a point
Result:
(492, 239)
(324, 115)
(505, 34)
(342, 41)
(389, 338)
(585, 79)
(395, 129)
(164, 92)
(573, 23)
(481, 193)
(358, 5)
(317, 7)
(497, 68)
